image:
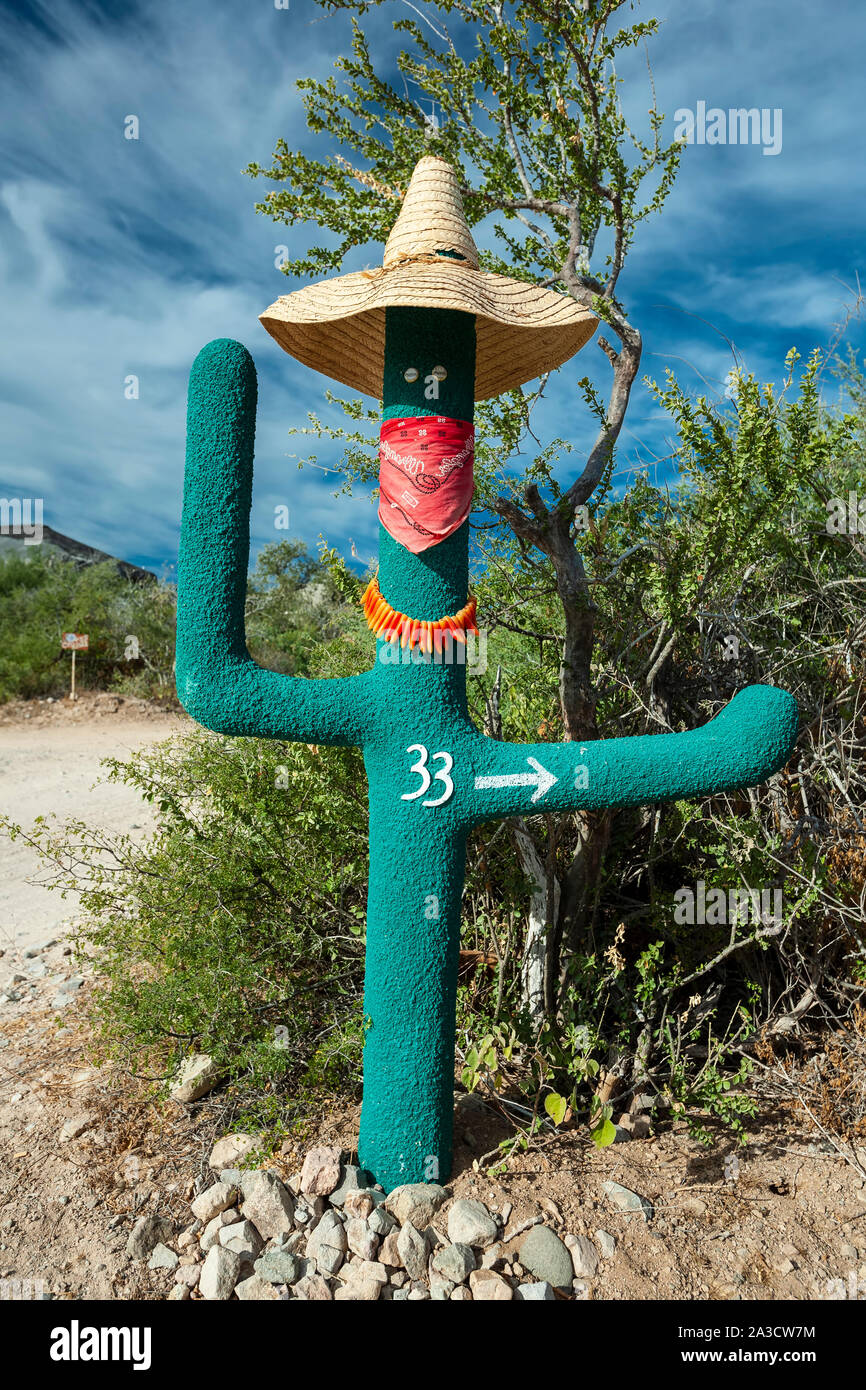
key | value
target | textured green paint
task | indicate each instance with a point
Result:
(417, 852)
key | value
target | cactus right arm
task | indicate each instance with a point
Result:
(749, 740)
(218, 682)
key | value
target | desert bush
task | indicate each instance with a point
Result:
(130, 626)
(292, 604)
(238, 928)
(739, 550)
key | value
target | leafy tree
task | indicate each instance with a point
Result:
(292, 605)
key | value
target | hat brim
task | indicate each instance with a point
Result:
(338, 326)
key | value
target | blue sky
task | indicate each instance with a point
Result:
(122, 257)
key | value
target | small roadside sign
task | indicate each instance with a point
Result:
(74, 642)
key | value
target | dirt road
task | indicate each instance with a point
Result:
(50, 757)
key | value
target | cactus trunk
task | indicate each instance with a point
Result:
(410, 991)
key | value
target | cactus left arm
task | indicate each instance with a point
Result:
(218, 682)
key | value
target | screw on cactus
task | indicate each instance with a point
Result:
(431, 333)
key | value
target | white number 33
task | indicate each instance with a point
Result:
(423, 772)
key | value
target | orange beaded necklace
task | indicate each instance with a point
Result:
(386, 622)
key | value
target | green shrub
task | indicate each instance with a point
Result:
(43, 595)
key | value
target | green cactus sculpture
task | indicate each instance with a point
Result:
(432, 775)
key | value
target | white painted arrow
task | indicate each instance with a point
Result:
(541, 779)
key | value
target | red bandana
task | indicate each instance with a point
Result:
(425, 478)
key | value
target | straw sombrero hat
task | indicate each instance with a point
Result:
(338, 326)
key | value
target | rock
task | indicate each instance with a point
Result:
(351, 1178)
(489, 1287)
(584, 1257)
(454, 1262)
(61, 1000)
(389, 1253)
(359, 1204)
(360, 1239)
(198, 1075)
(381, 1222)
(327, 1244)
(268, 1203)
(233, 1149)
(606, 1244)
(211, 1233)
(73, 984)
(313, 1288)
(358, 1290)
(77, 1125)
(417, 1202)
(307, 1212)
(413, 1250)
(290, 1244)
(219, 1273)
(279, 1267)
(441, 1288)
(492, 1256)
(542, 1292)
(693, 1206)
(243, 1238)
(321, 1172)
(461, 1294)
(547, 1257)
(148, 1232)
(178, 1293)
(254, 1289)
(627, 1200)
(162, 1258)
(208, 1204)
(187, 1274)
(372, 1269)
(470, 1223)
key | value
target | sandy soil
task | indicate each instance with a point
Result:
(55, 1211)
(50, 756)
